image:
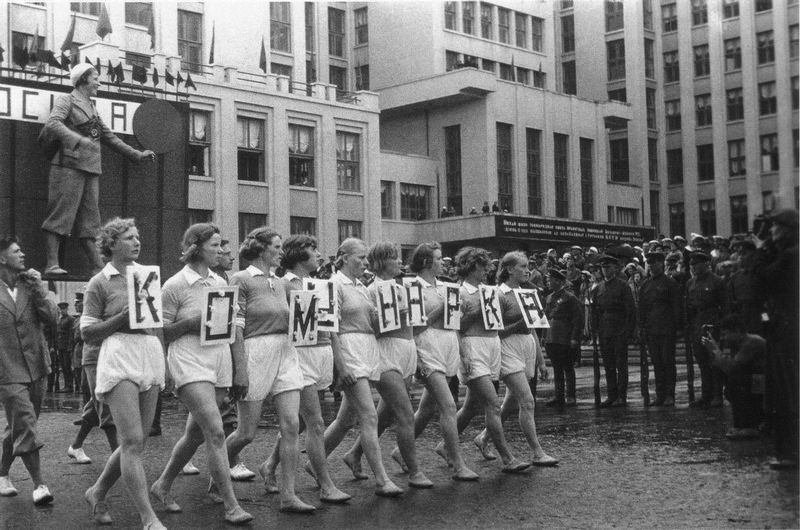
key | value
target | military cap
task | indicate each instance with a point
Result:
(557, 274)
(63, 304)
(666, 240)
(655, 256)
(786, 217)
(593, 250)
(654, 243)
(608, 258)
(699, 257)
(575, 247)
(679, 239)
(448, 258)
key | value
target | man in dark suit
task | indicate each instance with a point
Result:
(25, 307)
(74, 180)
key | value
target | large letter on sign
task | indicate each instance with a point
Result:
(527, 303)
(388, 305)
(451, 293)
(490, 307)
(303, 308)
(327, 304)
(416, 303)
(144, 296)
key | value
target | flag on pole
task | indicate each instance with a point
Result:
(110, 73)
(139, 74)
(50, 58)
(2, 51)
(513, 69)
(151, 30)
(67, 44)
(119, 74)
(179, 79)
(262, 61)
(33, 50)
(66, 62)
(19, 56)
(103, 22)
(168, 78)
(213, 38)
(98, 67)
(156, 79)
(189, 83)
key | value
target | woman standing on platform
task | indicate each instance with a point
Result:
(130, 370)
(355, 354)
(202, 374)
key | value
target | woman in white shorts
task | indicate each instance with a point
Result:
(201, 374)
(130, 370)
(519, 349)
(316, 362)
(398, 362)
(262, 337)
(437, 359)
(480, 356)
(355, 354)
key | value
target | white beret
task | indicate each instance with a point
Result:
(77, 71)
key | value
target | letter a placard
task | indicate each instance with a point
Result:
(144, 296)
(303, 311)
(490, 307)
(388, 305)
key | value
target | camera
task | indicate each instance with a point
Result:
(761, 225)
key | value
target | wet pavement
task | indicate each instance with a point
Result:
(634, 467)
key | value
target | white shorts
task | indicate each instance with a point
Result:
(437, 351)
(129, 357)
(483, 354)
(189, 362)
(359, 353)
(272, 366)
(316, 363)
(516, 352)
(399, 355)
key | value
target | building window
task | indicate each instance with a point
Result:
(521, 29)
(699, 12)
(523, 76)
(647, 14)
(311, 28)
(306, 226)
(505, 166)
(733, 54)
(539, 78)
(199, 142)
(677, 219)
(767, 201)
(452, 60)
(280, 26)
(587, 178)
(736, 158)
(615, 55)
(618, 153)
(534, 159)
(138, 13)
(763, 5)
(614, 18)
(702, 110)
(190, 40)
(649, 59)
(767, 101)
(503, 25)
(650, 104)
(674, 167)
(794, 41)
(249, 222)
(735, 104)
(470, 61)
(138, 59)
(489, 66)
(452, 165)
(570, 80)
(338, 76)
(769, 152)
(672, 111)
(335, 32)
(349, 229)
(730, 8)
(561, 173)
(487, 21)
(669, 17)
(627, 216)
(362, 25)
(250, 149)
(672, 72)
(702, 63)
(468, 18)
(301, 156)
(281, 69)
(705, 162)
(618, 94)
(362, 77)
(708, 217)
(506, 72)
(739, 224)
(387, 199)
(85, 8)
(450, 15)
(568, 34)
(795, 92)
(655, 211)
(414, 202)
(199, 216)
(348, 159)
(765, 44)
(537, 33)
(652, 159)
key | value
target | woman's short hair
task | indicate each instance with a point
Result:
(256, 242)
(297, 249)
(193, 240)
(468, 258)
(510, 259)
(110, 232)
(380, 253)
(422, 257)
(347, 247)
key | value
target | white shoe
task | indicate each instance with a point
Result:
(7, 489)
(240, 472)
(78, 455)
(190, 469)
(42, 495)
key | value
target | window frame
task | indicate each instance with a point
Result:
(615, 59)
(361, 23)
(336, 32)
(702, 110)
(765, 47)
(415, 202)
(734, 104)
(702, 60)
(561, 174)
(280, 26)
(699, 12)
(247, 155)
(674, 167)
(733, 54)
(672, 119)
(737, 158)
(672, 71)
(533, 158)
(619, 160)
(770, 155)
(188, 47)
(767, 98)
(669, 17)
(199, 145)
(344, 165)
(298, 159)
(705, 163)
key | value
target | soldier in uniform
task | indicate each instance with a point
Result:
(659, 320)
(706, 304)
(565, 316)
(615, 322)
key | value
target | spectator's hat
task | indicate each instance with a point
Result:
(557, 274)
(655, 256)
(593, 250)
(654, 243)
(786, 217)
(679, 239)
(77, 72)
(447, 259)
(63, 304)
(673, 257)
(608, 258)
(576, 247)
(699, 257)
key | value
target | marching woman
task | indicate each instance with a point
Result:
(201, 374)
(355, 354)
(130, 370)
(437, 359)
(519, 349)
(480, 356)
(262, 337)
(398, 362)
(316, 362)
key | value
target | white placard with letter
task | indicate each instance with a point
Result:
(451, 292)
(531, 306)
(218, 321)
(144, 296)
(327, 305)
(416, 302)
(490, 307)
(388, 302)
(303, 311)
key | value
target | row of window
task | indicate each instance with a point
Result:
(730, 9)
(508, 72)
(707, 210)
(250, 142)
(496, 23)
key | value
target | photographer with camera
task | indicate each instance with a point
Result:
(777, 270)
